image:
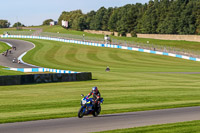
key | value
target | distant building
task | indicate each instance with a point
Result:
(64, 23)
(53, 23)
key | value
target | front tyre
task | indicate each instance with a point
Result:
(80, 113)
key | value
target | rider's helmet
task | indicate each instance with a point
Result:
(94, 90)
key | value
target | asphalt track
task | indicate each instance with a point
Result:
(104, 122)
(21, 47)
(89, 123)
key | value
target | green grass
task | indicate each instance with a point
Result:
(178, 44)
(60, 29)
(133, 84)
(4, 72)
(2, 30)
(3, 47)
(182, 127)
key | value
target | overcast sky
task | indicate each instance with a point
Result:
(34, 12)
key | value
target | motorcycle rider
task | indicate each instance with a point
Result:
(96, 96)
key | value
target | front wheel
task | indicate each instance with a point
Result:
(80, 113)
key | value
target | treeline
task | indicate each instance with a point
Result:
(4, 24)
(155, 17)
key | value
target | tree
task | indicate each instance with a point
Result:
(79, 23)
(122, 21)
(47, 21)
(198, 21)
(149, 20)
(18, 24)
(72, 18)
(100, 20)
(113, 20)
(89, 18)
(4, 24)
(168, 17)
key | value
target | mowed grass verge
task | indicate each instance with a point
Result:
(137, 81)
(4, 72)
(186, 45)
(2, 30)
(182, 127)
(3, 47)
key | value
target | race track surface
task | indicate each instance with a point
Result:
(21, 47)
(104, 122)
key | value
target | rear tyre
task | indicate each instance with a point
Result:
(97, 112)
(80, 113)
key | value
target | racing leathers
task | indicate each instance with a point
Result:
(96, 98)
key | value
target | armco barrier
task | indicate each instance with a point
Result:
(44, 78)
(103, 45)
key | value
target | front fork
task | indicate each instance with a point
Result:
(84, 109)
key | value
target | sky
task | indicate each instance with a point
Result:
(34, 12)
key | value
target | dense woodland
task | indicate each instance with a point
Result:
(158, 16)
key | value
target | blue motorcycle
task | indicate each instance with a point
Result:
(87, 107)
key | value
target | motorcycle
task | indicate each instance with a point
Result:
(87, 107)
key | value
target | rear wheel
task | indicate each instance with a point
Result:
(97, 112)
(80, 113)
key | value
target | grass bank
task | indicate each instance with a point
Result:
(182, 127)
(137, 81)
(178, 44)
(3, 47)
(4, 72)
(2, 30)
